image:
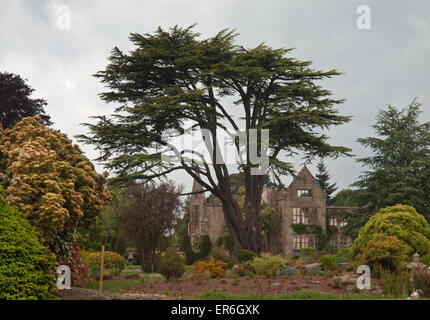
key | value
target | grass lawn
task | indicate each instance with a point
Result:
(112, 286)
(133, 267)
(298, 295)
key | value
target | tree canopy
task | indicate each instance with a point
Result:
(15, 101)
(49, 179)
(398, 171)
(148, 216)
(174, 83)
(323, 179)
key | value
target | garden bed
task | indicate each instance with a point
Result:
(260, 286)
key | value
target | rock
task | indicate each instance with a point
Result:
(276, 285)
(139, 296)
(344, 264)
(79, 294)
(414, 295)
(313, 266)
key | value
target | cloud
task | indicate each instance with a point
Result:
(385, 65)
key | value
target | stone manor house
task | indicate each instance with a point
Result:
(303, 202)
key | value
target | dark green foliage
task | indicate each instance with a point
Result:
(226, 241)
(354, 220)
(173, 77)
(425, 259)
(244, 255)
(329, 262)
(107, 228)
(323, 179)
(187, 248)
(181, 228)
(25, 265)
(321, 237)
(172, 265)
(15, 101)
(399, 168)
(346, 198)
(308, 251)
(205, 247)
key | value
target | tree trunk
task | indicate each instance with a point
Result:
(246, 234)
(254, 223)
(235, 223)
(146, 262)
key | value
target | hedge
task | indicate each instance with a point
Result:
(25, 265)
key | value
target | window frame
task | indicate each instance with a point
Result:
(304, 193)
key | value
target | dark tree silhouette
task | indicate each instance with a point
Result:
(148, 216)
(15, 101)
(323, 179)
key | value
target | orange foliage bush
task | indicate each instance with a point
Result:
(215, 267)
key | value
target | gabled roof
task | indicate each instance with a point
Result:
(197, 187)
(303, 173)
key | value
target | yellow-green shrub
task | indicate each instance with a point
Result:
(426, 259)
(401, 221)
(172, 265)
(267, 264)
(111, 259)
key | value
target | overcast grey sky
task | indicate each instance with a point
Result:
(388, 64)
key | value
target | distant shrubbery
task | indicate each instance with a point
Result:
(244, 255)
(25, 265)
(172, 265)
(329, 262)
(219, 253)
(205, 248)
(112, 260)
